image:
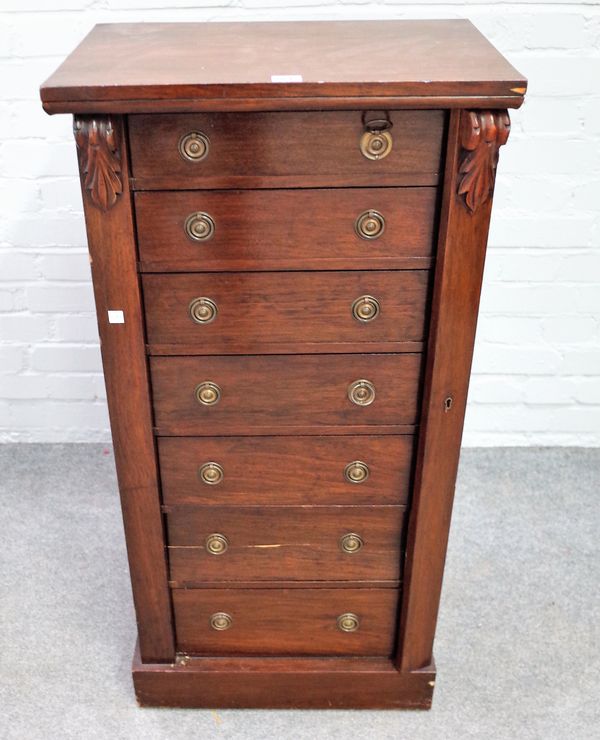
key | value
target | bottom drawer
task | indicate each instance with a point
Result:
(296, 621)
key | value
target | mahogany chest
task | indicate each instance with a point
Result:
(287, 225)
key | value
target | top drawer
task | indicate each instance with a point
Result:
(314, 146)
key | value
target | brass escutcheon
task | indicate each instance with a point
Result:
(221, 621)
(366, 308)
(370, 225)
(348, 622)
(211, 473)
(208, 393)
(203, 310)
(194, 146)
(216, 544)
(351, 542)
(356, 471)
(199, 226)
(361, 392)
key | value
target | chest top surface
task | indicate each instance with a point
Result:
(137, 67)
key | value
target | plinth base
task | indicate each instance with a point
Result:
(281, 683)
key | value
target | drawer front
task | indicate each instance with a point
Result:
(286, 471)
(285, 621)
(218, 543)
(282, 143)
(284, 393)
(283, 229)
(249, 312)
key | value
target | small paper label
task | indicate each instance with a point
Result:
(286, 78)
(116, 317)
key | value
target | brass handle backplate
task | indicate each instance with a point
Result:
(221, 621)
(366, 308)
(361, 392)
(203, 310)
(376, 142)
(199, 226)
(211, 473)
(216, 544)
(351, 542)
(356, 471)
(208, 393)
(194, 146)
(370, 225)
(348, 622)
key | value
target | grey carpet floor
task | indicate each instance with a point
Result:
(518, 639)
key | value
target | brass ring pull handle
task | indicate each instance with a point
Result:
(203, 310)
(194, 146)
(208, 393)
(377, 125)
(376, 142)
(356, 472)
(348, 622)
(351, 542)
(199, 226)
(361, 392)
(366, 308)
(377, 121)
(370, 225)
(216, 544)
(221, 621)
(211, 473)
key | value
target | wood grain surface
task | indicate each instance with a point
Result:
(111, 241)
(462, 247)
(124, 65)
(282, 682)
(286, 470)
(261, 309)
(316, 233)
(291, 394)
(285, 622)
(284, 543)
(286, 143)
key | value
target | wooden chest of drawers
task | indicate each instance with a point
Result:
(287, 225)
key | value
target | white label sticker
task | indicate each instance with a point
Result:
(286, 78)
(116, 317)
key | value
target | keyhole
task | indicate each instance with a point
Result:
(448, 404)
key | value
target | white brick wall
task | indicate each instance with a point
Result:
(537, 365)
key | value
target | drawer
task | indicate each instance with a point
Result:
(222, 313)
(245, 230)
(286, 621)
(285, 470)
(277, 394)
(335, 543)
(282, 143)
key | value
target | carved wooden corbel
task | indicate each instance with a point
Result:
(99, 159)
(482, 133)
